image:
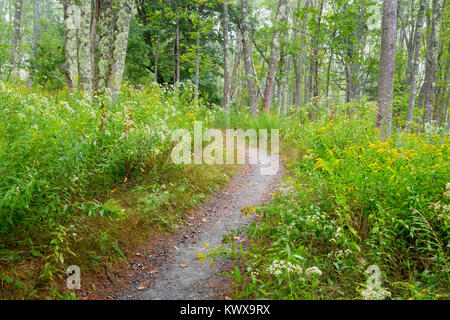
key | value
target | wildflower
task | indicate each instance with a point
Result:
(277, 267)
(313, 271)
(446, 208)
(437, 205)
(447, 190)
(375, 294)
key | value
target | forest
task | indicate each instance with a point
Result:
(92, 90)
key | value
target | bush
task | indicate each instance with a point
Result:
(351, 201)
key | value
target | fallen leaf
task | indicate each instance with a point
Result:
(227, 298)
(175, 247)
(138, 254)
(154, 272)
(142, 288)
(183, 266)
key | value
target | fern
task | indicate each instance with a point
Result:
(427, 239)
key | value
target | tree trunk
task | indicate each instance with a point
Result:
(418, 34)
(177, 43)
(299, 64)
(431, 61)
(94, 40)
(316, 53)
(158, 44)
(237, 61)
(36, 16)
(387, 68)
(197, 53)
(285, 87)
(226, 77)
(105, 48)
(273, 62)
(120, 45)
(248, 60)
(16, 37)
(71, 19)
(410, 46)
(84, 50)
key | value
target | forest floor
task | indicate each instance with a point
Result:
(167, 267)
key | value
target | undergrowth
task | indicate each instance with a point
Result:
(83, 181)
(350, 204)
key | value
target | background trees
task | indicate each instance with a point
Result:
(270, 54)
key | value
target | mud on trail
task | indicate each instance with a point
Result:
(169, 269)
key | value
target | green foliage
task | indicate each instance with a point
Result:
(350, 201)
(59, 152)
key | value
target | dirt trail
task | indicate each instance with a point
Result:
(182, 277)
(171, 270)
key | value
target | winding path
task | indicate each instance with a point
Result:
(183, 277)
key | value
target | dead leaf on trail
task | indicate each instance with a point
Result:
(154, 272)
(183, 266)
(227, 298)
(175, 247)
(138, 254)
(142, 288)
(185, 236)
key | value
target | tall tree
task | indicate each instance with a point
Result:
(16, 38)
(197, 53)
(431, 62)
(84, 51)
(226, 76)
(158, 42)
(274, 53)
(387, 68)
(119, 52)
(113, 24)
(248, 60)
(298, 63)
(71, 21)
(418, 34)
(315, 53)
(36, 16)
(177, 43)
(106, 38)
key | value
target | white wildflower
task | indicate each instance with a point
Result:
(437, 205)
(277, 267)
(375, 294)
(313, 271)
(446, 208)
